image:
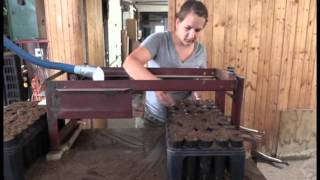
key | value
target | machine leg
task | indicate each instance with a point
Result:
(53, 133)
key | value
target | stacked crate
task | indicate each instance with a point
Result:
(13, 90)
(202, 143)
(25, 137)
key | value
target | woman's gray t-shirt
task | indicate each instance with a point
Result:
(164, 54)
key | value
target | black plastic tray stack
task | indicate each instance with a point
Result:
(13, 91)
(202, 144)
(25, 138)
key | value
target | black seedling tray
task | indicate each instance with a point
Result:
(217, 154)
(24, 149)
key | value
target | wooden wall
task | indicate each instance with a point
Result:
(64, 31)
(41, 19)
(95, 33)
(272, 43)
(75, 31)
(76, 35)
(95, 48)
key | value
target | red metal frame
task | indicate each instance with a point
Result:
(111, 98)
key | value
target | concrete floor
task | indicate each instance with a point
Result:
(303, 169)
(297, 170)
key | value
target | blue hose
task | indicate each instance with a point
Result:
(34, 60)
(96, 73)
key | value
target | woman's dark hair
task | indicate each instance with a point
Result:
(196, 7)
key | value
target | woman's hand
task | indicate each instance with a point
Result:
(165, 98)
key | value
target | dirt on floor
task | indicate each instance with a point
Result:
(107, 154)
(113, 154)
(302, 169)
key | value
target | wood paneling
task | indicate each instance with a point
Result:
(287, 53)
(299, 53)
(263, 66)
(252, 61)
(218, 33)
(171, 15)
(95, 34)
(218, 37)
(64, 31)
(271, 116)
(79, 31)
(207, 32)
(242, 45)
(75, 31)
(179, 4)
(94, 43)
(41, 18)
(272, 43)
(313, 97)
(76, 35)
(308, 59)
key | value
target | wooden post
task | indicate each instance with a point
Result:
(95, 42)
(41, 19)
(64, 32)
(95, 32)
(75, 34)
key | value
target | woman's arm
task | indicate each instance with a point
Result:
(134, 66)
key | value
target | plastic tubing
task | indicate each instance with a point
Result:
(96, 73)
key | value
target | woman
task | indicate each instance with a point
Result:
(179, 49)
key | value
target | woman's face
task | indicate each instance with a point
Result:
(188, 30)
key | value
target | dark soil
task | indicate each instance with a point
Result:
(19, 116)
(203, 125)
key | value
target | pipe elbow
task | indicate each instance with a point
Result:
(96, 73)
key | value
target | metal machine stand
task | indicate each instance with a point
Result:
(112, 98)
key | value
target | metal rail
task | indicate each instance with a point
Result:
(112, 98)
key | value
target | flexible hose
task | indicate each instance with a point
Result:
(96, 73)
(34, 60)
